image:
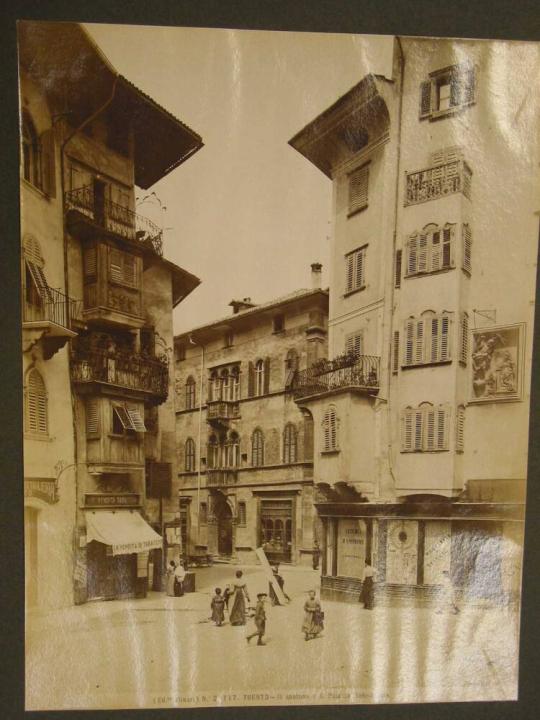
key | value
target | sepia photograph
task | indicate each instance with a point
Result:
(277, 296)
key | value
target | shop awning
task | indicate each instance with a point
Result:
(124, 530)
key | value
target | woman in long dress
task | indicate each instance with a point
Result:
(169, 585)
(313, 617)
(239, 595)
(367, 592)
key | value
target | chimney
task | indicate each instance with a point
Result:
(239, 305)
(316, 271)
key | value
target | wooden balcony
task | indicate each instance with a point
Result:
(121, 372)
(86, 214)
(435, 182)
(221, 477)
(356, 373)
(219, 412)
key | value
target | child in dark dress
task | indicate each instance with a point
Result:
(218, 605)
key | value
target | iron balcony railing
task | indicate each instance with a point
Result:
(349, 370)
(136, 372)
(116, 218)
(438, 181)
(221, 477)
(222, 410)
(53, 306)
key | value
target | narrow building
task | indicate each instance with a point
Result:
(98, 380)
(421, 414)
(245, 449)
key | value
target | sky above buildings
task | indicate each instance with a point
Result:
(247, 214)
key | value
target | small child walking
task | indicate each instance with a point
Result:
(218, 608)
(260, 619)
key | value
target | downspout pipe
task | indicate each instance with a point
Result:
(201, 379)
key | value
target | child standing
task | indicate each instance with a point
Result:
(260, 619)
(218, 605)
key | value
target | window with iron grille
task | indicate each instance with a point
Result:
(290, 444)
(430, 250)
(447, 90)
(358, 189)
(36, 404)
(427, 339)
(425, 428)
(330, 430)
(190, 393)
(189, 455)
(257, 448)
(355, 270)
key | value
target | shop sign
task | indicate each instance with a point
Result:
(41, 489)
(351, 550)
(112, 500)
(436, 551)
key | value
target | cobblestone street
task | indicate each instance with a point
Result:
(164, 652)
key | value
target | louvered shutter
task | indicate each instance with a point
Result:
(468, 80)
(434, 240)
(434, 341)
(90, 262)
(455, 88)
(464, 340)
(430, 430)
(129, 270)
(92, 417)
(115, 266)
(123, 416)
(467, 242)
(137, 421)
(358, 188)
(422, 253)
(409, 342)
(350, 273)
(251, 379)
(447, 260)
(445, 346)
(36, 398)
(407, 441)
(412, 260)
(360, 268)
(418, 418)
(395, 352)
(397, 277)
(425, 99)
(419, 342)
(460, 429)
(38, 276)
(441, 428)
(267, 375)
(48, 173)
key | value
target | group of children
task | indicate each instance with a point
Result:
(312, 624)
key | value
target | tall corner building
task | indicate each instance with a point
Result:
(421, 412)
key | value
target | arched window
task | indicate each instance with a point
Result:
(213, 452)
(330, 429)
(259, 377)
(233, 450)
(189, 464)
(235, 383)
(190, 393)
(225, 386)
(31, 152)
(36, 415)
(215, 386)
(289, 444)
(257, 448)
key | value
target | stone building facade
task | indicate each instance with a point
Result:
(98, 297)
(245, 452)
(421, 417)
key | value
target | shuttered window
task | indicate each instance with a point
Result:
(289, 444)
(425, 428)
(397, 269)
(189, 455)
(354, 344)
(355, 263)
(464, 338)
(122, 268)
(36, 406)
(92, 417)
(242, 514)
(35, 273)
(427, 340)
(330, 430)
(90, 262)
(358, 189)
(460, 429)
(190, 393)
(137, 420)
(129, 418)
(447, 90)
(257, 448)
(431, 250)
(467, 248)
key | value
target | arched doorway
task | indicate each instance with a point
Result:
(223, 515)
